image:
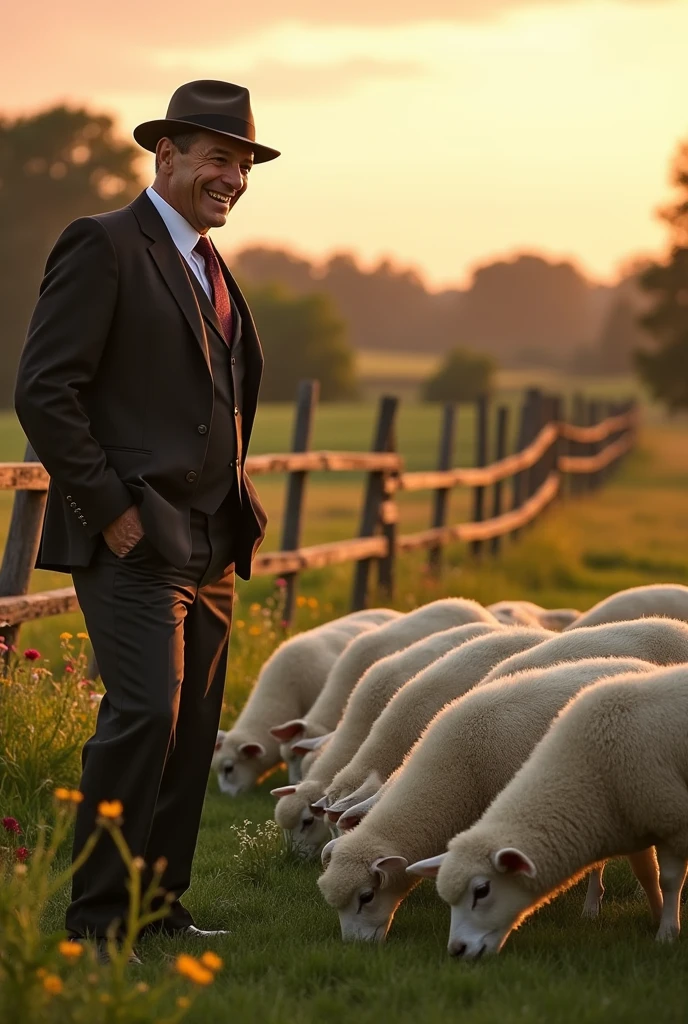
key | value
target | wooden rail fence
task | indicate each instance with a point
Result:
(549, 451)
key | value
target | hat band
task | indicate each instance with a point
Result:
(220, 123)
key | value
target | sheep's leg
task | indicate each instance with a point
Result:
(645, 869)
(672, 874)
(593, 897)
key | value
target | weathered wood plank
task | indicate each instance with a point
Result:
(25, 607)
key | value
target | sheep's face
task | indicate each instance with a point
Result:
(305, 828)
(238, 765)
(364, 893)
(488, 895)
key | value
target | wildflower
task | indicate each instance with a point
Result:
(68, 795)
(11, 825)
(190, 968)
(139, 863)
(183, 1002)
(20, 870)
(284, 624)
(31, 654)
(312, 602)
(65, 636)
(82, 636)
(70, 950)
(22, 854)
(3, 647)
(212, 961)
(255, 608)
(69, 668)
(160, 865)
(142, 987)
(111, 809)
(239, 623)
(254, 631)
(301, 601)
(280, 582)
(52, 984)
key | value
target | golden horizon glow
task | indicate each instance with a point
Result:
(440, 144)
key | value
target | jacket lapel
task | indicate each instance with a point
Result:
(253, 354)
(170, 264)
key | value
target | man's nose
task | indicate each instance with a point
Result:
(233, 178)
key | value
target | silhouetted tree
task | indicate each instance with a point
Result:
(665, 370)
(462, 377)
(54, 166)
(302, 336)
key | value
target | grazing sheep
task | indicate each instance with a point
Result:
(666, 599)
(468, 753)
(625, 741)
(288, 683)
(661, 641)
(325, 713)
(294, 813)
(525, 613)
(415, 704)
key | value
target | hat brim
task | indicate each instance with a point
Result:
(149, 134)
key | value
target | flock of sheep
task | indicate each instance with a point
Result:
(506, 751)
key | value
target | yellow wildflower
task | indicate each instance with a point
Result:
(312, 602)
(139, 864)
(239, 623)
(142, 986)
(255, 608)
(41, 972)
(183, 1002)
(72, 796)
(65, 636)
(190, 968)
(75, 796)
(111, 809)
(82, 636)
(52, 984)
(255, 631)
(301, 601)
(70, 950)
(212, 961)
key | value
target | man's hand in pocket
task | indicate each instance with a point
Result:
(124, 532)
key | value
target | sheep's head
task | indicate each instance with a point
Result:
(305, 826)
(365, 890)
(239, 763)
(489, 889)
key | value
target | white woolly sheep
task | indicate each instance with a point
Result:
(297, 811)
(661, 641)
(468, 753)
(326, 711)
(525, 613)
(287, 684)
(415, 704)
(666, 599)
(624, 740)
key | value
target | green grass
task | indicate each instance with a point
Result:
(284, 959)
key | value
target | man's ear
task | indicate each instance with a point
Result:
(511, 861)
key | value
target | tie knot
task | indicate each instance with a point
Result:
(204, 247)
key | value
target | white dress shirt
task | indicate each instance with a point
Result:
(184, 237)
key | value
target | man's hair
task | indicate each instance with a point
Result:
(183, 142)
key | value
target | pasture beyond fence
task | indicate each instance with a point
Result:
(551, 446)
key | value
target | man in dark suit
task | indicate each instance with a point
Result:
(137, 388)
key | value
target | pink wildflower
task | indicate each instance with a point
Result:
(69, 668)
(22, 854)
(31, 654)
(11, 825)
(280, 582)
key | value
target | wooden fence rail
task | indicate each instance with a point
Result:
(550, 448)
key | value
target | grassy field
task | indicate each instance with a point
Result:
(284, 959)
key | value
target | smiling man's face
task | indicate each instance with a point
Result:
(203, 183)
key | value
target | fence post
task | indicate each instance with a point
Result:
(383, 441)
(502, 433)
(593, 447)
(21, 546)
(306, 402)
(525, 436)
(537, 403)
(441, 497)
(481, 410)
(578, 418)
(557, 414)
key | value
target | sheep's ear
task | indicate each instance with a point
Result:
(283, 791)
(385, 867)
(252, 750)
(318, 807)
(428, 868)
(511, 861)
(309, 743)
(326, 853)
(289, 730)
(334, 816)
(350, 819)
(220, 739)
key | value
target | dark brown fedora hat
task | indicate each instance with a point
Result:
(214, 106)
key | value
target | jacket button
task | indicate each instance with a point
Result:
(233, 360)
(236, 410)
(73, 504)
(191, 477)
(84, 523)
(202, 429)
(69, 497)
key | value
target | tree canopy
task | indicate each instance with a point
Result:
(462, 377)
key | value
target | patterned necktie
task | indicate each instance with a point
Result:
(221, 302)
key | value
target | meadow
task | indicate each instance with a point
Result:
(284, 960)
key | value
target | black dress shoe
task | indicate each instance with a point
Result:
(102, 951)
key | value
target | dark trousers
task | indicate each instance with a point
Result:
(160, 636)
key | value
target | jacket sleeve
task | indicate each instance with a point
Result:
(64, 346)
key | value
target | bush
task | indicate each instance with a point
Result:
(302, 336)
(462, 377)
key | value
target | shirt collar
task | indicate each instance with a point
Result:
(183, 235)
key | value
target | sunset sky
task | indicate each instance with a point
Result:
(441, 133)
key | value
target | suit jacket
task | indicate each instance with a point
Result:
(115, 389)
